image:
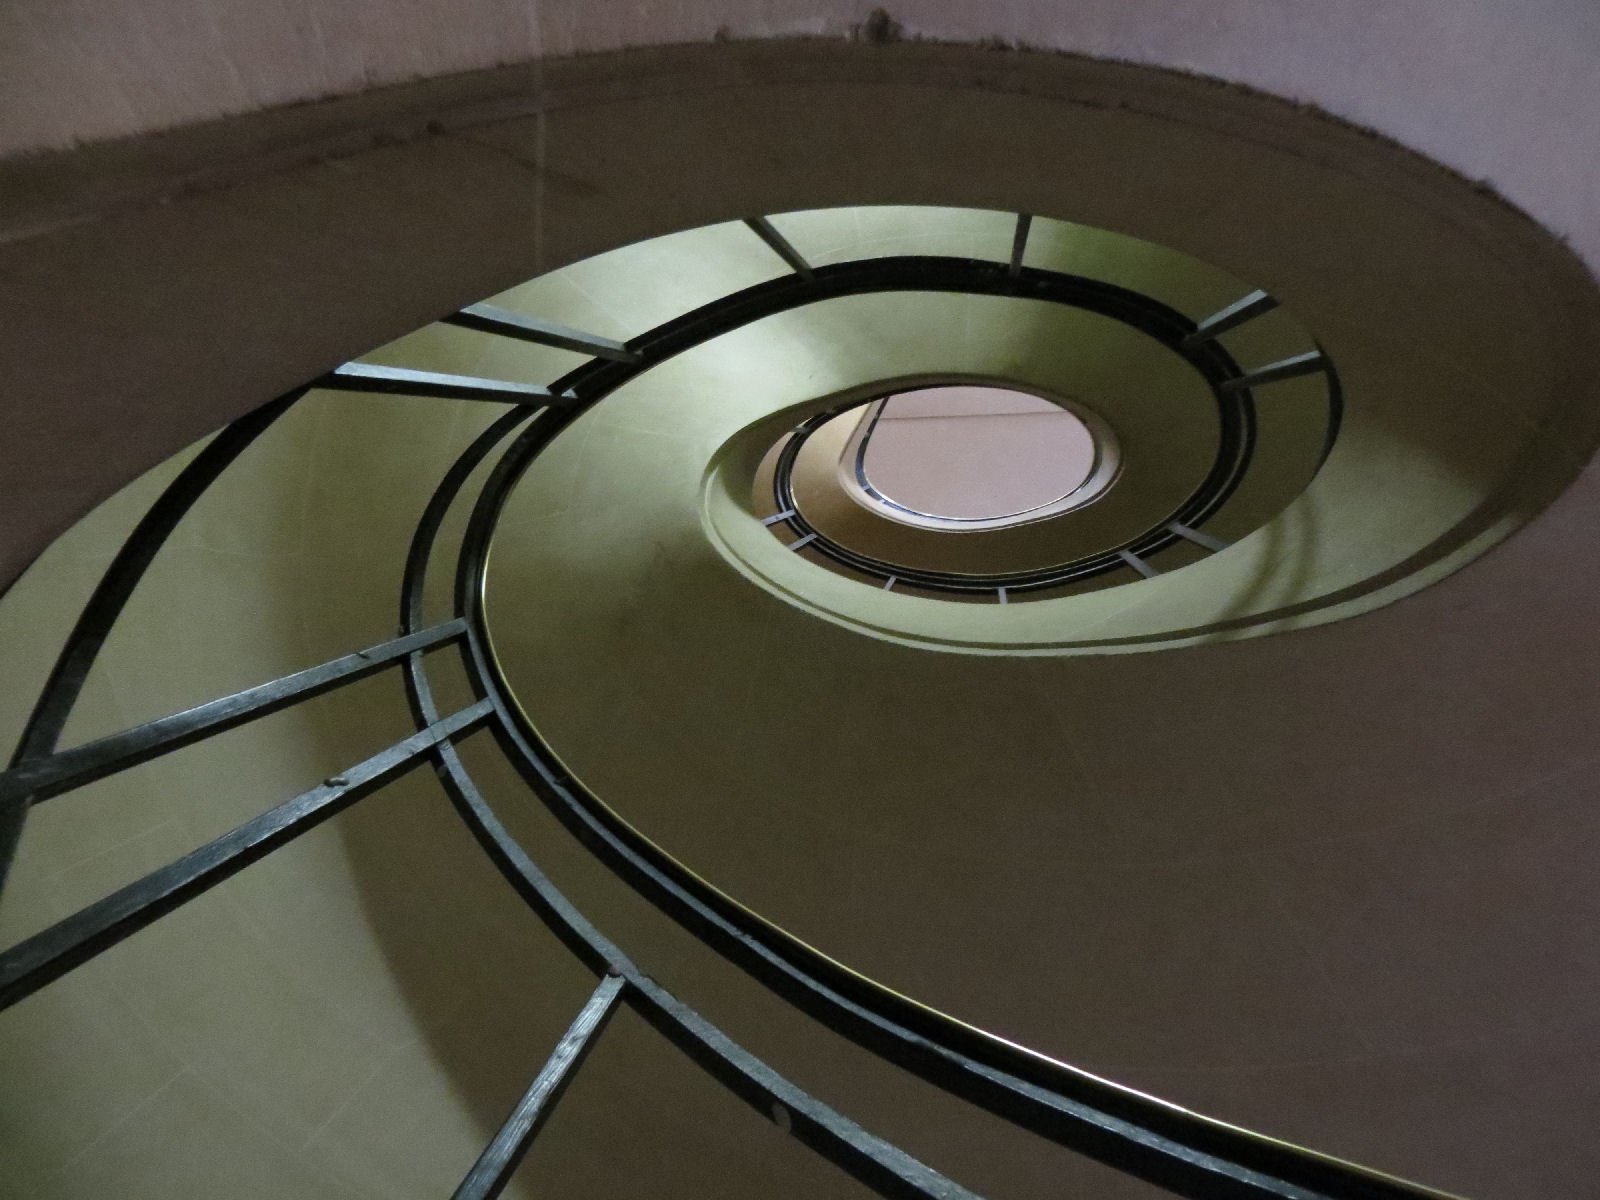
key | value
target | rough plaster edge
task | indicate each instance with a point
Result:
(140, 170)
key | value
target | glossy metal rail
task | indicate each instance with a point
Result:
(884, 1167)
(1169, 1146)
(1164, 1144)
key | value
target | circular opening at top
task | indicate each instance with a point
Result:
(967, 455)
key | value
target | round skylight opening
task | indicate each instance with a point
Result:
(961, 456)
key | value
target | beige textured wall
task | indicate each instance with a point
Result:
(1500, 93)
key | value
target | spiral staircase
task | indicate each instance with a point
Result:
(511, 691)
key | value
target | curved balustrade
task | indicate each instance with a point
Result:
(1186, 1153)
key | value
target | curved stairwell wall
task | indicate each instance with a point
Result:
(1332, 885)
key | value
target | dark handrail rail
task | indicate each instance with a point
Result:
(1182, 1151)
(78, 652)
(1167, 1145)
(880, 1165)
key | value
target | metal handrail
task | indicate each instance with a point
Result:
(1182, 1151)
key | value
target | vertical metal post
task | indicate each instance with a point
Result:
(1247, 308)
(1213, 544)
(780, 246)
(1019, 243)
(13, 811)
(1138, 564)
(497, 1163)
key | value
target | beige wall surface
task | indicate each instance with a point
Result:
(1500, 92)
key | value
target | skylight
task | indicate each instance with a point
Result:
(973, 454)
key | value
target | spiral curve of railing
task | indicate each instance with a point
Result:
(1181, 1151)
